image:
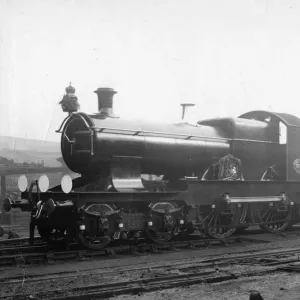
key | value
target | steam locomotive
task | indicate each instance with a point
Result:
(141, 180)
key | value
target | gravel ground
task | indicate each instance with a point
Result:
(66, 284)
(269, 285)
(279, 286)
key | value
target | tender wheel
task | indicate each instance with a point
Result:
(222, 221)
(160, 233)
(275, 218)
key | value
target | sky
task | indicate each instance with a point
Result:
(227, 57)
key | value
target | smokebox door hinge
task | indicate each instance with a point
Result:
(92, 141)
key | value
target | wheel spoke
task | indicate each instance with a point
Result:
(267, 212)
(274, 218)
(217, 221)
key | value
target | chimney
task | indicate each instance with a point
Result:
(105, 102)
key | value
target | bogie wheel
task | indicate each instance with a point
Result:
(222, 222)
(276, 217)
(44, 232)
(50, 235)
(93, 242)
(156, 233)
(96, 213)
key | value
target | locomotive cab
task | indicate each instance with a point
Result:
(286, 133)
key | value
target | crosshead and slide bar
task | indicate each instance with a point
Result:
(267, 199)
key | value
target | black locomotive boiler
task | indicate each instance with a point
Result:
(141, 180)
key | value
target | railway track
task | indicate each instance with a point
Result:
(24, 255)
(151, 277)
(20, 252)
(17, 242)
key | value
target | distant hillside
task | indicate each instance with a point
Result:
(19, 151)
(15, 143)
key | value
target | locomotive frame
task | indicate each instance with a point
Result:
(245, 175)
